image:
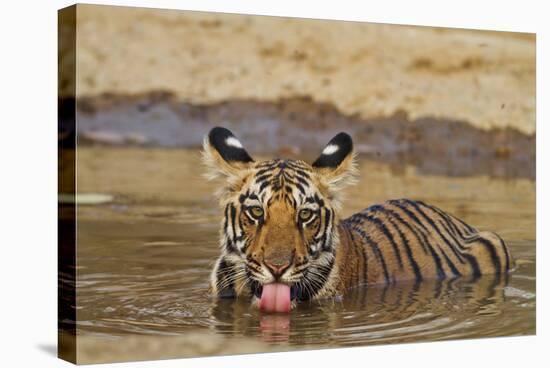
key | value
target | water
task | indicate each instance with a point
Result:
(144, 262)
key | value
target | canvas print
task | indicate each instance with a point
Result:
(234, 184)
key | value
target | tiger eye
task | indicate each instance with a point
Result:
(305, 214)
(256, 211)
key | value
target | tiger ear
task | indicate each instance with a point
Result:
(336, 164)
(224, 154)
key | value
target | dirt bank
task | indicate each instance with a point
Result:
(300, 127)
(486, 79)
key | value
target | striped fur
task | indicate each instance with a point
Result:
(286, 213)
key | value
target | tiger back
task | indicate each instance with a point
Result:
(405, 239)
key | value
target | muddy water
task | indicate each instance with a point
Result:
(144, 261)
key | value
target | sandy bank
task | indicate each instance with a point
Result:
(369, 70)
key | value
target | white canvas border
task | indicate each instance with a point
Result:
(29, 180)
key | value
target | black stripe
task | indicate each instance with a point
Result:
(444, 238)
(451, 265)
(300, 188)
(319, 201)
(222, 274)
(387, 233)
(505, 252)
(470, 229)
(290, 200)
(409, 213)
(296, 165)
(253, 261)
(374, 246)
(302, 181)
(316, 235)
(452, 218)
(285, 176)
(263, 185)
(240, 223)
(328, 220)
(255, 286)
(226, 218)
(434, 226)
(364, 254)
(440, 273)
(414, 265)
(270, 164)
(457, 242)
(229, 246)
(451, 227)
(476, 273)
(409, 226)
(261, 172)
(302, 173)
(247, 243)
(493, 252)
(445, 217)
(261, 179)
(421, 238)
(449, 262)
(233, 211)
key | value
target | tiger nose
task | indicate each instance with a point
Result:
(277, 268)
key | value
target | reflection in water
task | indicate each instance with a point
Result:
(144, 262)
(403, 312)
(275, 328)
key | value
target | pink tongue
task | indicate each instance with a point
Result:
(275, 298)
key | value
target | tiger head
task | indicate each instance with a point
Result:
(279, 233)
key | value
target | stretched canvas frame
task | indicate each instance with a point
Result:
(478, 148)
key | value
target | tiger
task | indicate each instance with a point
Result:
(283, 241)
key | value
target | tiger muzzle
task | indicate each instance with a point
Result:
(278, 262)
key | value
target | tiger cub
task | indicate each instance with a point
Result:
(282, 239)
